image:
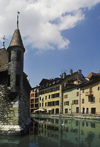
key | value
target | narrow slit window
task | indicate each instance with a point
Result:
(9, 56)
(17, 80)
(18, 55)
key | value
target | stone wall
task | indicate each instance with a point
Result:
(14, 115)
(8, 109)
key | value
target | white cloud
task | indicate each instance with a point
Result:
(42, 21)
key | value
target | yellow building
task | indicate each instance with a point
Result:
(50, 95)
(90, 95)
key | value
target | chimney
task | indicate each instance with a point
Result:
(60, 76)
(80, 71)
(71, 71)
(63, 75)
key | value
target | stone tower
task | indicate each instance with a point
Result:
(14, 88)
(15, 63)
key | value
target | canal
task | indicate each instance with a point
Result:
(57, 132)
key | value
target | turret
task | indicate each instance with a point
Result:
(15, 62)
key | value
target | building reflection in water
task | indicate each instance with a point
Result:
(62, 132)
(54, 132)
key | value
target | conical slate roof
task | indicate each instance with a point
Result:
(16, 40)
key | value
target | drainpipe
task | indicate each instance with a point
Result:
(61, 101)
(79, 101)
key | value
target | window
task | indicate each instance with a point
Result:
(82, 101)
(9, 58)
(49, 96)
(18, 55)
(36, 105)
(32, 95)
(42, 92)
(46, 104)
(40, 104)
(17, 80)
(66, 103)
(82, 90)
(98, 87)
(53, 103)
(8, 80)
(93, 110)
(90, 89)
(57, 94)
(66, 110)
(77, 109)
(45, 91)
(32, 101)
(53, 89)
(49, 103)
(75, 102)
(57, 88)
(57, 103)
(36, 94)
(53, 95)
(49, 90)
(36, 100)
(46, 97)
(91, 99)
(66, 96)
(77, 93)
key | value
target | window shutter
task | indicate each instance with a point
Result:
(77, 93)
(66, 96)
(82, 101)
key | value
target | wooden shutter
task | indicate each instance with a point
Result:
(77, 93)
(65, 96)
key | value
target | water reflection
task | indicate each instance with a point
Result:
(54, 132)
(73, 132)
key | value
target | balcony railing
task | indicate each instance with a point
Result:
(90, 93)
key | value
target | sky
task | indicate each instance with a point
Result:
(58, 35)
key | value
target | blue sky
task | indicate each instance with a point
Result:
(58, 35)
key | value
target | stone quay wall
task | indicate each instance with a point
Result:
(14, 115)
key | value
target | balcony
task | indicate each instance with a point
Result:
(90, 93)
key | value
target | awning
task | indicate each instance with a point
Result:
(49, 109)
(40, 110)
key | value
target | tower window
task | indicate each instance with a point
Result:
(18, 55)
(9, 56)
(17, 80)
(8, 80)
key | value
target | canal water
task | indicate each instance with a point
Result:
(57, 132)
